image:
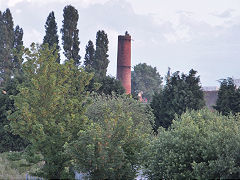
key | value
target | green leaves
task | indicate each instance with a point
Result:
(111, 146)
(50, 106)
(89, 56)
(51, 36)
(145, 78)
(179, 94)
(9, 141)
(96, 61)
(199, 145)
(101, 61)
(70, 39)
(228, 98)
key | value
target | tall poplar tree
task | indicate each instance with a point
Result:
(89, 56)
(10, 77)
(70, 39)
(10, 38)
(2, 39)
(101, 57)
(18, 43)
(51, 36)
(6, 44)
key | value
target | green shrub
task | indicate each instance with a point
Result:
(199, 145)
(110, 147)
(14, 165)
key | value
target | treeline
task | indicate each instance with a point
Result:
(71, 116)
(95, 60)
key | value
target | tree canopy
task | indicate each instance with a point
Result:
(111, 146)
(51, 36)
(10, 38)
(18, 43)
(101, 61)
(145, 78)
(9, 141)
(228, 100)
(6, 44)
(89, 56)
(70, 39)
(96, 61)
(199, 145)
(110, 85)
(181, 92)
(50, 107)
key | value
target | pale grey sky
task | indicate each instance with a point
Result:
(181, 34)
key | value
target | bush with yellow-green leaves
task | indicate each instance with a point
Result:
(199, 145)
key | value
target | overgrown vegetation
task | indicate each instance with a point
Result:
(111, 146)
(199, 145)
(145, 79)
(15, 165)
(181, 92)
(50, 107)
(64, 116)
(228, 98)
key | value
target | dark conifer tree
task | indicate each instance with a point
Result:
(2, 39)
(109, 85)
(10, 65)
(181, 92)
(51, 36)
(9, 141)
(6, 44)
(94, 62)
(228, 97)
(101, 57)
(89, 56)
(70, 39)
(18, 43)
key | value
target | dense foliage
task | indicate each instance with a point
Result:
(45, 106)
(145, 78)
(199, 145)
(96, 61)
(110, 85)
(228, 97)
(10, 76)
(89, 56)
(179, 94)
(9, 38)
(9, 141)
(50, 107)
(70, 39)
(51, 36)
(101, 61)
(111, 146)
(141, 113)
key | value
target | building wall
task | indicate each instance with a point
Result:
(210, 98)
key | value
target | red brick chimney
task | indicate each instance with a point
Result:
(124, 61)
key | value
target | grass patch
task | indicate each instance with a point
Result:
(13, 165)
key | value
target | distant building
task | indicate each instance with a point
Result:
(141, 99)
(210, 98)
(210, 88)
(211, 93)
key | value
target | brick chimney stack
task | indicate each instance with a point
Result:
(124, 61)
